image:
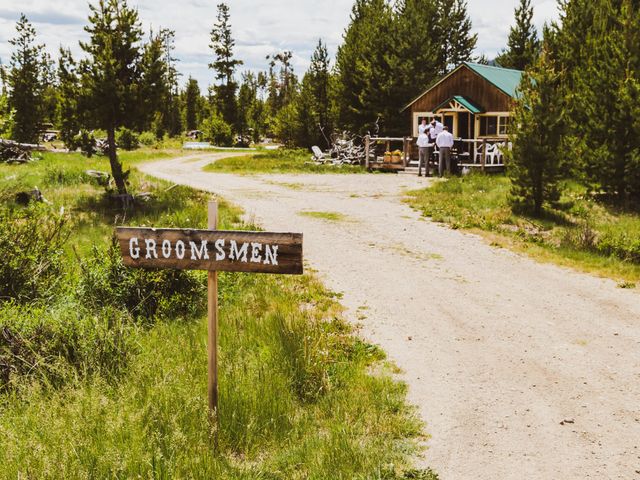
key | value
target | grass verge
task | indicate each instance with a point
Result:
(116, 384)
(581, 233)
(330, 216)
(278, 161)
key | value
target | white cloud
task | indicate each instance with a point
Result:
(260, 28)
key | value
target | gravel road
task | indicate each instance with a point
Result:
(520, 369)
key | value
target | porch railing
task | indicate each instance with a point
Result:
(478, 153)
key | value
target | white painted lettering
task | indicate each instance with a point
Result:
(220, 255)
(151, 248)
(134, 249)
(202, 253)
(238, 254)
(271, 254)
(166, 249)
(256, 252)
(180, 248)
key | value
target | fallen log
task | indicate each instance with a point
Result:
(14, 152)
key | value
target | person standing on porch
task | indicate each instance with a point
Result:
(434, 130)
(444, 141)
(423, 151)
(423, 127)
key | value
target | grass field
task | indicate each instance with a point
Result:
(103, 375)
(278, 161)
(581, 233)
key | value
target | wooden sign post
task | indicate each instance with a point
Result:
(212, 250)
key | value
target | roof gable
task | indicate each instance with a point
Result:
(504, 79)
(464, 103)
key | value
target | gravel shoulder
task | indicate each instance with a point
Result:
(519, 369)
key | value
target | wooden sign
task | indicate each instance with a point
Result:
(213, 250)
(256, 252)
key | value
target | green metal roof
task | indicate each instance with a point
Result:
(462, 101)
(505, 79)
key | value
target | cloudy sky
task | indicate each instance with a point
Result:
(260, 27)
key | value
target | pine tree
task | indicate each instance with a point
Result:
(603, 96)
(68, 88)
(110, 74)
(319, 84)
(26, 81)
(192, 104)
(523, 45)
(535, 168)
(414, 56)
(453, 34)
(251, 106)
(313, 103)
(153, 90)
(282, 91)
(363, 67)
(224, 65)
(172, 107)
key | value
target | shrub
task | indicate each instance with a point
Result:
(622, 246)
(31, 243)
(145, 294)
(148, 139)
(55, 344)
(86, 142)
(127, 139)
(217, 131)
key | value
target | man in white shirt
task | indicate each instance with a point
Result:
(434, 129)
(423, 127)
(423, 152)
(444, 141)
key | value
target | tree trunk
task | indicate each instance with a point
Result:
(116, 166)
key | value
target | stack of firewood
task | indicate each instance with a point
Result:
(14, 152)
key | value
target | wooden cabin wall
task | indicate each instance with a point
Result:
(470, 85)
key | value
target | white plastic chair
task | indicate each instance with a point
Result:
(318, 155)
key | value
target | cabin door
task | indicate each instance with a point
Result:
(448, 121)
(466, 126)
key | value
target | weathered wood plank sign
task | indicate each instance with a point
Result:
(212, 250)
(256, 252)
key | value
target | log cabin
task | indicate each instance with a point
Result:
(474, 101)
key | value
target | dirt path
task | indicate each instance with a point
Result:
(497, 350)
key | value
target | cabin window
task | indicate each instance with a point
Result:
(488, 126)
(504, 126)
(494, 125)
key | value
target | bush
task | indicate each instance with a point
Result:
(86, 142)
(622, 246)
(217, 131)
(55, 344)
(145, 294)
(127, 139)
(31, 248)
(148, 139)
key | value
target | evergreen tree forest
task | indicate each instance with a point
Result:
(390, 52)
(580, 96)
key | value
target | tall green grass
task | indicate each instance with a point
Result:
(581, 231)
(278, 161)
(100, 388)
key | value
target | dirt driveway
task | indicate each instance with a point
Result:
(521, 370)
